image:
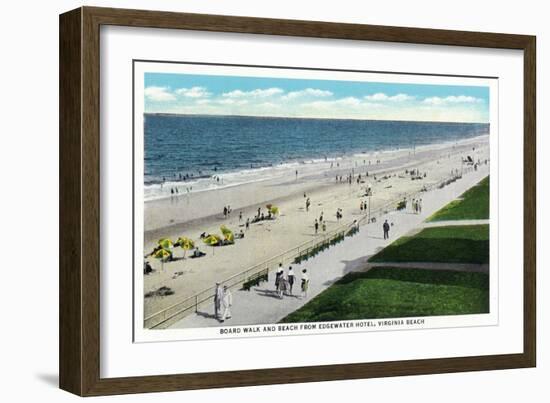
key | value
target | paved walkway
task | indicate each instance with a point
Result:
(261, 305)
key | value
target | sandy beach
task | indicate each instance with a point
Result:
(191, 214)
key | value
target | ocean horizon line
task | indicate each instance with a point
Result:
(212, 115)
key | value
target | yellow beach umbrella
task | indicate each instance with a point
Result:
(274, 210)
(212, 240)
(165, 243)
(228, 235)
(162, 255)
(185, 243)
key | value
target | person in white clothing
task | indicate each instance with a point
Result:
(305, 283)
(218, 299)
(227, 303)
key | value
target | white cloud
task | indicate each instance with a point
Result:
(231, 101)
(308, 92)
(203, 101)
(269, 105)
(194, 92)
(257, 93)
(159, 94)
(347, 102)
(452, 99)
(381, 97)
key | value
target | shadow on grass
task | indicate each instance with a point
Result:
(452, 244)
(397, 293)
(421, 276)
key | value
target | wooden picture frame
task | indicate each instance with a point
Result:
(79, 346)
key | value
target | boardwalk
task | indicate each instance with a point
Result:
(261, 305)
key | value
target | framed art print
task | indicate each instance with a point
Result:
(264, 201)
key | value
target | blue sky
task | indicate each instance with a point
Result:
(263, 96)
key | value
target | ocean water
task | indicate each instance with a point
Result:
(190, 153)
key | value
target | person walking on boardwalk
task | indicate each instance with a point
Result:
(305, 283)
(291, 278)
(278, 276)
(386, 228)
(227, 302)
(218, 298)
(283, 285)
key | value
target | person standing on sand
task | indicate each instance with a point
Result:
(247, 223)
(305, 283)
(224, 211)
(240, 216)
(324, 226)
(386, 228)
(316, 226)
(420, 206)
(291, 278)
(227, 302)
(308, 203)
(218, 298)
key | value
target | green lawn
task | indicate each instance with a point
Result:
(472, 205)
(451, 244)
(398, 293)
